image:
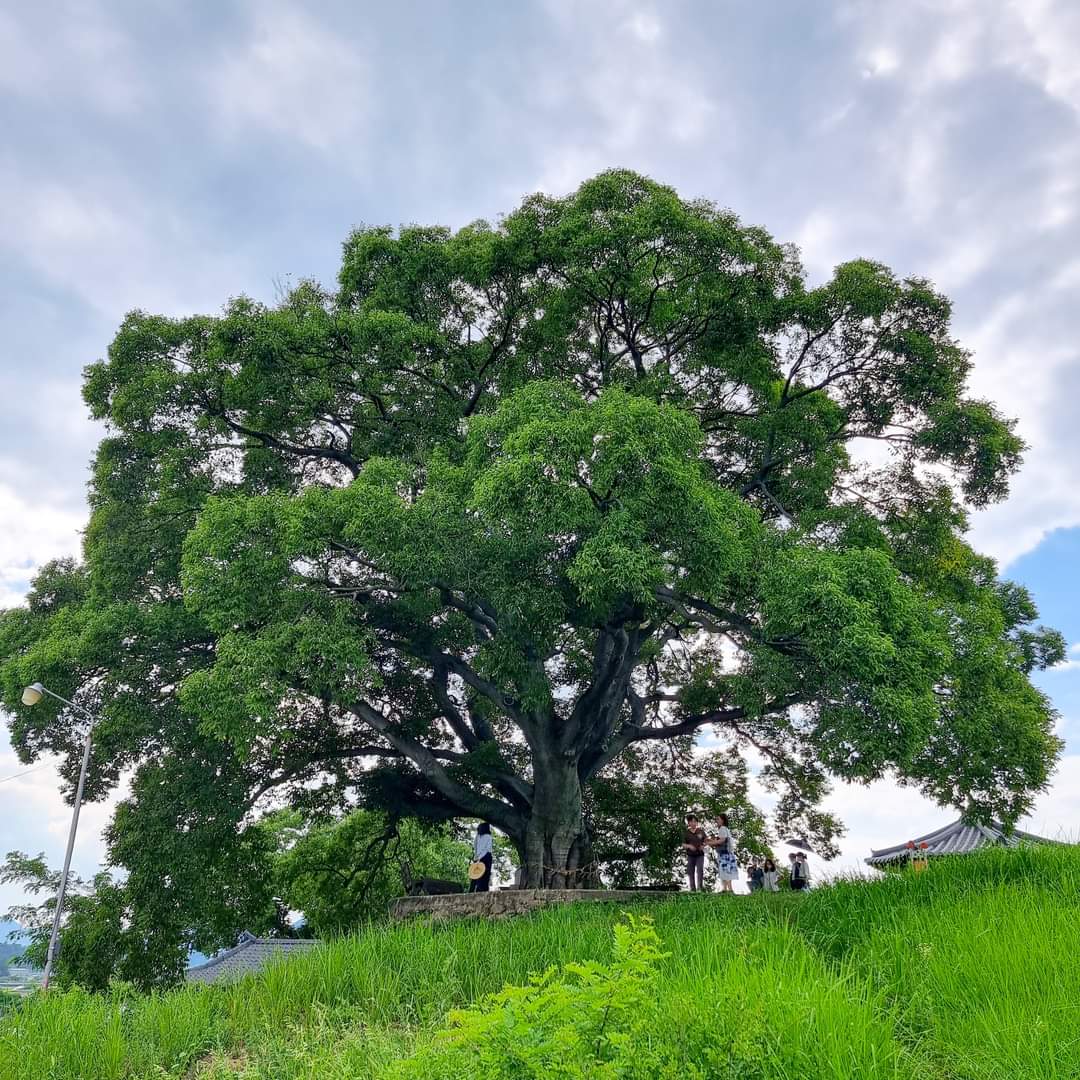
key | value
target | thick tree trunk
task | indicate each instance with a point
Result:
(555, 838)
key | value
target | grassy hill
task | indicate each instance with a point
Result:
(969, 970)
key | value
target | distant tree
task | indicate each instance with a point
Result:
(92, 933)
(104, 935)
(34, 878)
(12, 945)
(510, 502)
(344, 873)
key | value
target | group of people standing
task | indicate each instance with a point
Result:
(761, 875)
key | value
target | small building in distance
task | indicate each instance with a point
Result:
(249, 955)
(958, 838)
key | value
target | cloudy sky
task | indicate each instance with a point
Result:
(167, 156)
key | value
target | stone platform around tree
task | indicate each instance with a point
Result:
(507, 902)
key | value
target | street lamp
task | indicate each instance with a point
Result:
(31, 696)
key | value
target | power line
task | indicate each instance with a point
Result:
(15, 776)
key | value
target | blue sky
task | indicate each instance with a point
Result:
(167, 156)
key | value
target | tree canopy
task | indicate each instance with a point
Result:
(517, 499)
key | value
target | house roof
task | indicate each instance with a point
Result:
(957, 838)
(250, 954)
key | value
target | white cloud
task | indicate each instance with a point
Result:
(81, 53)
(112, 244)
(631, 103)
(1059, 195)
(1067, 278)
(837, 116)
(881, 61)
(954, 54)
(960, 262)
(1057, 813)
(644, 26)
(1045, 49)
(818, 239)
(33, 533)
(34, 817)
(295, 78)
(980, 196)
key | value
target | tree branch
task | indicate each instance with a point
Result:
(427, 761)
(597, 710)
(271, 441)
(638, 732)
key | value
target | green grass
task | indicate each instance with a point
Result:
(969, 970)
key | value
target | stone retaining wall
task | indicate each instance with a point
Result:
(507, 902)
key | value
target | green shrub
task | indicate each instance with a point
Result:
(583, 1020)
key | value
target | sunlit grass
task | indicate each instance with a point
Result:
(971, 969)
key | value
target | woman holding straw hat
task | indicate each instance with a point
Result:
(480, 867)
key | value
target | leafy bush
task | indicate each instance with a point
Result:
(583, 1020)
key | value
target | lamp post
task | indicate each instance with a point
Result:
(31, 696)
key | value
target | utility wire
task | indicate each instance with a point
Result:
(15, 776)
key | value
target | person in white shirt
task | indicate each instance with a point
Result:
(482, 853)
(723, 845)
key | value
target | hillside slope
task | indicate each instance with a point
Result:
(970, 970)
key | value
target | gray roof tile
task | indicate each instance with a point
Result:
(251, 954)
(957, 838)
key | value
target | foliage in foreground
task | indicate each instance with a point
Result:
(583, 1020)
(966, 972)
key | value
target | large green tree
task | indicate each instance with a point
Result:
(510, 501)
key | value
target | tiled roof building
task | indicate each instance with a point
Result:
(250, 954)
(957, 838)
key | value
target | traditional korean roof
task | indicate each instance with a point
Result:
(958, 838)
(249, 955)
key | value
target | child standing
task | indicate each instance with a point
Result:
(755, 876)
(770, 877)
